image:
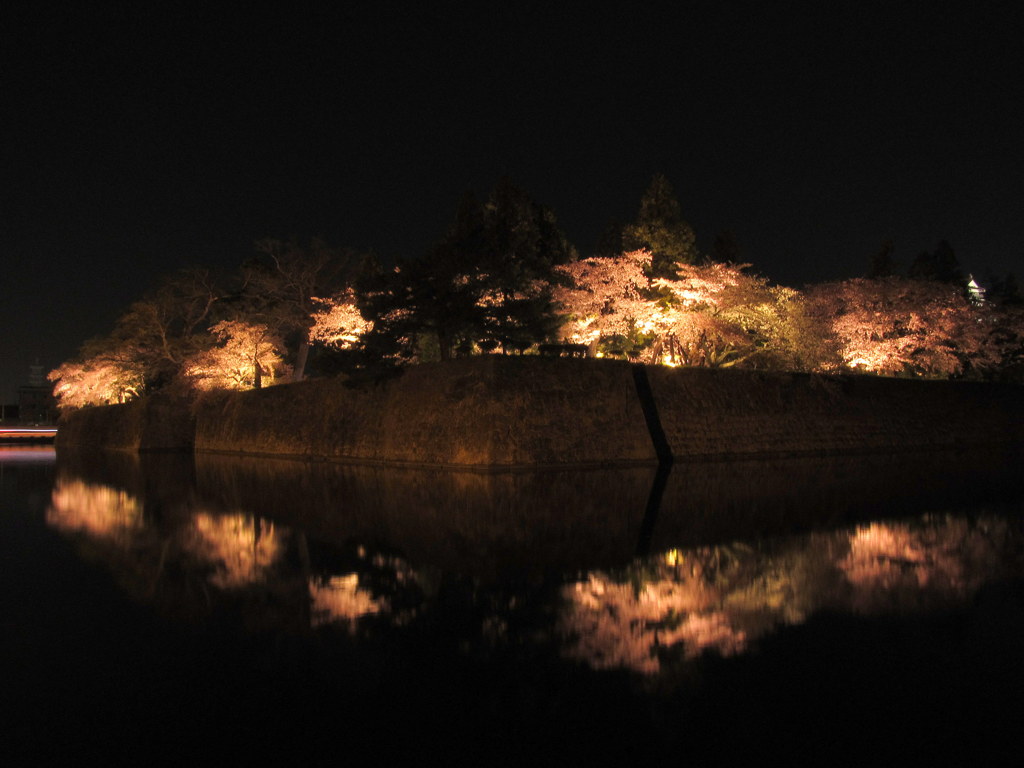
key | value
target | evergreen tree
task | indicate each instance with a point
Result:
(488, 282)
(522, 246)
(941, 266)
(661, 229)
(1005, 291)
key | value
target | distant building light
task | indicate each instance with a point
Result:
(975, 292)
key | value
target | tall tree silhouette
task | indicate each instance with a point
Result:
(660, 228)
(487, 282)
(940, 265)
(282, 284)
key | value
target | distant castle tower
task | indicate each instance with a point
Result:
(35, 375)
(35, 400)
(975, 292)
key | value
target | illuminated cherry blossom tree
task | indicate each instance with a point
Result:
(900, 326)
(101, 380)
(700, 325)
(167, 326)
(708, 315)
(781, 334)
(281, 287)
(337, 322)
(147, 347)
(616, 305)
(248, 355)
(607, 296)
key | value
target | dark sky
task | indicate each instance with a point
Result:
(135, 143)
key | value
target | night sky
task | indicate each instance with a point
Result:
(136, 142)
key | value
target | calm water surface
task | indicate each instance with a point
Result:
(166, 609)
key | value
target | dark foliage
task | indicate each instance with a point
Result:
(487, 282)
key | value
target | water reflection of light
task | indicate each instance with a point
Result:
(97, 510)
(680, 604)
(625, 625)
(887, 560)
(28, 454)
(242, 547)
(339, 599)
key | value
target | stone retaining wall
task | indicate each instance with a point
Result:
(477, 412)
(730, 413)
(156, 423)
(529, 412)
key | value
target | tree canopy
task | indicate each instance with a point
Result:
(486, 284)
(287, 283)
(904, 326)
(940, 265)
(660, 229)
(504, 279)
(712, 314)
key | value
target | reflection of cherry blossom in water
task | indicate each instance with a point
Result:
(340, 599)
(242, 547)
(722, 599)
(618, 625)
(893, 561)
(97, 510)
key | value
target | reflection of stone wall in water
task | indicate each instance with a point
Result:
(164, 479)
(469, 521)
(494, 525)
(290, 544)
(482, 523)
(717, 501)
(507, 412)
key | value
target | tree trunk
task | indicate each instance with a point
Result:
(300, 362)
(656, 351)
(442, 345)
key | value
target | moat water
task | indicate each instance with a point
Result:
(171, 609)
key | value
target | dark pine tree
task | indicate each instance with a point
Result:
(661, 229)
(940, 265)
(487, 282)
(1005, 291)
(522, 247)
